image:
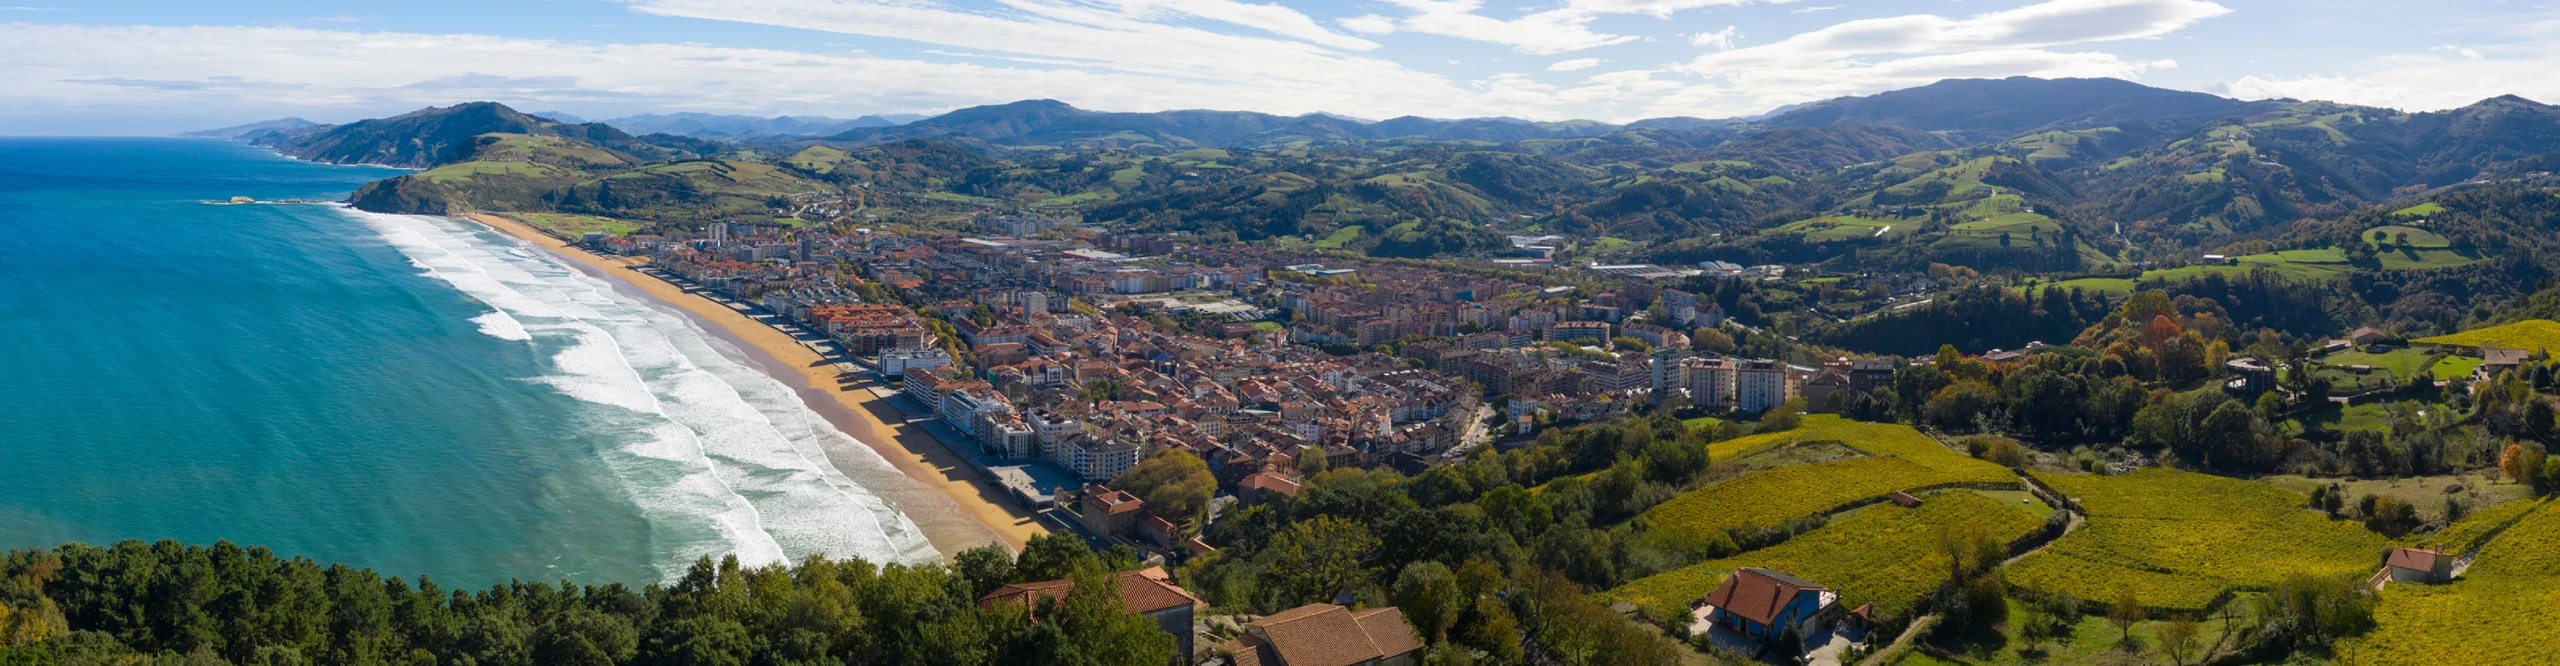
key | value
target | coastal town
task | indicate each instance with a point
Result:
(1057, 364)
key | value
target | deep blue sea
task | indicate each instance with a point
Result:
(414, 395)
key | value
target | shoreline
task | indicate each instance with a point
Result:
(980, 511)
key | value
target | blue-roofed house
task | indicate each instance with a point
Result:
(1763, 604)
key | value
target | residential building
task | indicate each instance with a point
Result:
(1149, 592)
(1328, 635)
(2416, 565)
(1764, 604)
(1098, 458)
(1759, 386)
(896, 362)
(1710, 382)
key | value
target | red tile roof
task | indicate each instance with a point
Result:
(1758, 594)
(1143, 591)
(2413, 558)
(1325, 635)
(1270, 481)
(1118, 502)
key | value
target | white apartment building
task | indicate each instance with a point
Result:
(1760, 385)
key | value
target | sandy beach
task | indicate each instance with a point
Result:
(982, 512)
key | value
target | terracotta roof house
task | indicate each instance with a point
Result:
(1763, 604)
(1328, 635)
(1254, 487)
(2366, 335)
(2418, 565)
(1110, 512)
(1149, 592)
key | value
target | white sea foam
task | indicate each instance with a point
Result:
(498, 325)
(712, 446)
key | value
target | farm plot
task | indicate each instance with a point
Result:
(1886, 555)
(1903, 459)
(2527, 334)
(2179, 540)
(1878, 439)
(2500, 612)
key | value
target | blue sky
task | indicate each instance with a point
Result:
(159, 66)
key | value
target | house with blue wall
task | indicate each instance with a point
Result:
(1763, 604)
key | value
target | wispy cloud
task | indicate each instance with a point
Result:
(1574, 64)
(198, 71)
(1560, 30)
(1871, 55)
(2444, 77)
(1722, 40)
(1809, 10)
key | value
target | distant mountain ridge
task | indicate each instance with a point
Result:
(1975, 109)
(442, 135)
(1051, 122)
(733, 127)
(240, 131)
(1992, 109)
(2044, 175)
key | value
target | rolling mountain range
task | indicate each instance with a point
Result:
(435, 136)
(744, 128)
(2045, 175)
(260, 127)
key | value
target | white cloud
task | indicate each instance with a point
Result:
(1560, 30)
(1271, 18)
(1574, 64)
(1872, 55)
(1542, 33)
(1096, 35)
(1721, 39)
(1656, 8)
(2442, 78)
(176, 78)
(1809, 10)
(1371, 24)
(2054, 23)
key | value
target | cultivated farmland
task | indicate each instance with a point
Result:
(2179, 540)
(1886, 555)
(2528, 334)
(2500, 612)
(1902, 459)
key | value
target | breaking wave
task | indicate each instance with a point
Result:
(721, 457)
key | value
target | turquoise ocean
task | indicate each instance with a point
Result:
(416, 395)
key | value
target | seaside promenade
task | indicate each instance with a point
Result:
(841, 392)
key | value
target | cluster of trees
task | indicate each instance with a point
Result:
(1981, 316)
(171, 603)
(1529, 531)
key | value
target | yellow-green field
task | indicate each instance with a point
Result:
(2500, 612)
(2534, 334)
(1886, 555)
(2180, 540)
(2420, 210)
(1903, 459)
